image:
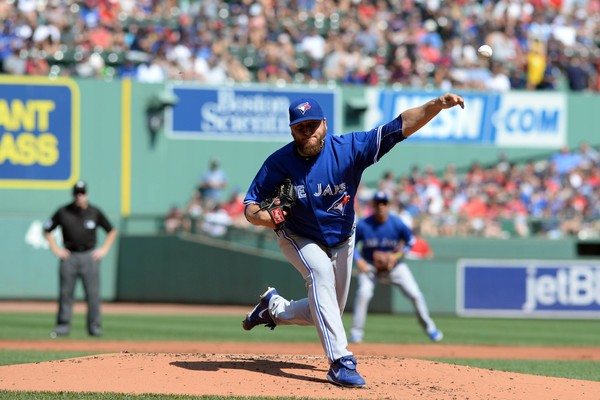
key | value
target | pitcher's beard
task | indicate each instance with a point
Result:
(312, 149)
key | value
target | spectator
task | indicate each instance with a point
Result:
(410, 44)
(14, 64)
(578, 75)
(235, 208)
(216, 221)
(505, 199)
(211, 70)
(536, 64)
(565, 160)
(549, 80)
(421, 250)
(212, 184)
(313, 44)
(388, 183)
(588, 156)
(151, 72)
(173, 221)
(499, 81)
(193, 213)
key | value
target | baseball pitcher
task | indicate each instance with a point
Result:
(315, 224)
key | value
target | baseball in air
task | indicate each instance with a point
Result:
(485, 51)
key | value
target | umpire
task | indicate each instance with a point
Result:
(79, 257)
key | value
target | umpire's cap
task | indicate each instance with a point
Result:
(305, 109)
(80, 187)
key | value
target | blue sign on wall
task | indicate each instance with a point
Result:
(528, 288)
(39, 132)
(239, 114)
(516, 119)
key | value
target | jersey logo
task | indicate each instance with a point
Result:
(329, 190)
(303, 107)
(339, 206)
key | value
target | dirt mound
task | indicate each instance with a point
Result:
(281, 369)
(282, 375)
(388, 377)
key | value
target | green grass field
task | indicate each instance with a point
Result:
(380, 329)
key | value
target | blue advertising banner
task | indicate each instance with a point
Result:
(528, 288)
(39, 132)
(239, 113)
(516, 119)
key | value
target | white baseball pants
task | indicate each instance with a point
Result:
(327, 274)
(399, 276)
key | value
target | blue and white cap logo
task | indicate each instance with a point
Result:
(303, 107)
(305, 110)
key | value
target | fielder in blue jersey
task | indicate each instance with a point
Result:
(385, 241)
(317, 237)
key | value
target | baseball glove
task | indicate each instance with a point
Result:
(380, 260)
(383, 260)
(282, 200)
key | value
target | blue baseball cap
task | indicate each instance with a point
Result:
(305, 109)
(381, 197)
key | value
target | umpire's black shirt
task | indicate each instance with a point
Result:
(78, 226)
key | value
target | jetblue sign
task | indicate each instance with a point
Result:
(239, 114)
(510, 120)
(528, 288)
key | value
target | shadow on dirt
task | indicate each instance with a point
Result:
(263, 366)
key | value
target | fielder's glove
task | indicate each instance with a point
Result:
(384, 260)
(380, 260)
(283, 199)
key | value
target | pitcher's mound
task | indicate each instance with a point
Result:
(282, 375)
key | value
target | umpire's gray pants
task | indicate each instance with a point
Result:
(79, 265)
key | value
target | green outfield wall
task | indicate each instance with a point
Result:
(131, 171)
(197, 269)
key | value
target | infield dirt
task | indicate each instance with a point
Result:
(292, 370)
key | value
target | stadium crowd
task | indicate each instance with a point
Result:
(539, 44)
(555, 197)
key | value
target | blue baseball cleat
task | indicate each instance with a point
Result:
(343, 373)
(435, 335)
(260, 314)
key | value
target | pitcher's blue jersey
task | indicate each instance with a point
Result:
(326, 184)
(383, 237)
